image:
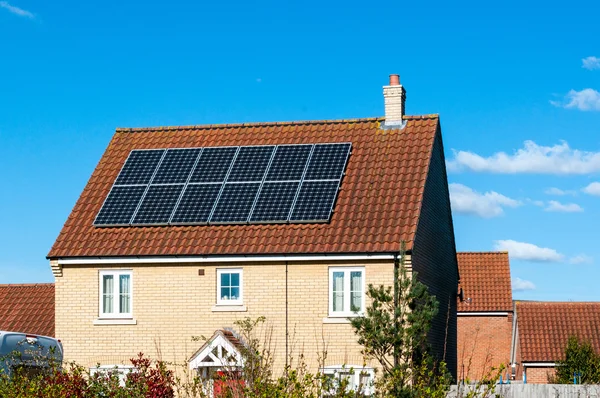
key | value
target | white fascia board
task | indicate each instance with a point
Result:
(220, 259)
(491, 313)
(539, 364)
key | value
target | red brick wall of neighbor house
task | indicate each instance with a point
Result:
(539, 375)
(483, 342)
(434, 256)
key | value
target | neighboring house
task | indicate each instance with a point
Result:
(27, 308)
(543, 329)
(485, 314)
(184, 246)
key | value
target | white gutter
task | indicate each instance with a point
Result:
(539, 364)
(219, 259)
(498, 313)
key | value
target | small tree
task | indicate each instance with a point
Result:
(394, 333)
(581, 360)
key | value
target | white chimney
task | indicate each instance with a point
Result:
(394, 96)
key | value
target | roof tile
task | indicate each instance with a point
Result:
(27, 308)
(385, 175)
(485, 279)
(545, 327)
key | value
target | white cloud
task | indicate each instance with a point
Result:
(532, 158)
(538, 203)
(467, 201)
(520, 285)
(581, 259)
(559, 192)
(528, 251)
(591, 63)
(554, 205)
(592, 189)
(587, 99)
(16, 10)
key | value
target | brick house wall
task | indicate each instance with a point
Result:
(434, 256)
(538, 375)
(171, 304)
(484, 342)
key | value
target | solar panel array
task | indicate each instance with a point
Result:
(226, 185)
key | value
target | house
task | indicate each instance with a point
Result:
(543, 329)
(485, 314)
(181, 231)
(27, 308)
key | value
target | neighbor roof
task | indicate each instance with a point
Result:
(545, 327)
(485, 280)
(27, 308)
(377, 208)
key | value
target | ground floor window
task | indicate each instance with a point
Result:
(120, 371)
(356, 378)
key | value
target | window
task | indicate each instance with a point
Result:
(356, 378)
(346, 291)
(120, 371)
(230, 289)
(115, 294)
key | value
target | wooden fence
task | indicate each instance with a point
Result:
(531, 391)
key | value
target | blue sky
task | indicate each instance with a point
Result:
(516, 85)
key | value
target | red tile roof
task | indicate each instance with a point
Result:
(27, 308)
(485, 280)
(377, 208)
(545, 327)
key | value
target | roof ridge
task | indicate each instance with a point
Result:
(26, 284)
(483, 252)
(268, 124)
(555, 302)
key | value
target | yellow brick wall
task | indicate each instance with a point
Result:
(173, 303)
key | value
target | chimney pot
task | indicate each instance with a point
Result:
(394, 80)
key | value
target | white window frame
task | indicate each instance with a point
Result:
(347, 297)
(121, 371)
(116, 277)
(354, 374)
(240, 299)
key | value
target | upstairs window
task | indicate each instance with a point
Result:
(115, 294)
(230, 289)
(346, 291)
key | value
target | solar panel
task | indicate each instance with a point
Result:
(119, 206)
(260, 184)
(315, 201)
(235, 203)
(214, 164)
(139, 167)
(289, 163)
(274, 202)
(328, 162)
(176, 166)
(196, 204)
(158, 204)
(250, 164)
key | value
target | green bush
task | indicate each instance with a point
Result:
(149, 380)
(580, 359)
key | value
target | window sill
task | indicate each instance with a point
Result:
(130, 321)
(339, 320)
(229, 308)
